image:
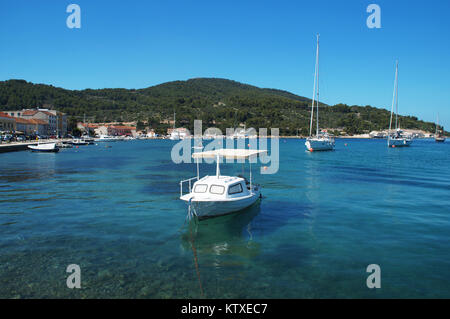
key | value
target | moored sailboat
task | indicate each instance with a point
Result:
(174, 135)
(321, 141)
(397, 138)
(439, 135)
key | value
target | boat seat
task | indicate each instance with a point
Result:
(245, 179)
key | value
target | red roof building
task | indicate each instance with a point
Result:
(121, 130)
(31, 126)
(7, 123)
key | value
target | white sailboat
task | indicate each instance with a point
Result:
(439, 135)
(218, 195)
(397, 138)
(322, 141)
(86, 137)
(175, 135)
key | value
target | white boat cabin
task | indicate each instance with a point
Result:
(219, 195)
(222, 187)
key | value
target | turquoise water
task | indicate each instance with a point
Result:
(323, 219)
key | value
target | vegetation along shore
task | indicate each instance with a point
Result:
(217, 102)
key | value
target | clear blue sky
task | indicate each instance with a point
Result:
(136, 44)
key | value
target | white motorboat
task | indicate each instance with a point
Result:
(89, 140)
(47, 148)
(174, 136)
(64, 145)
(218, 195)
(320, 142)
(397, 139)
(78, 142)
(106, 138)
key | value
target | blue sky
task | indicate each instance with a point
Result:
(136, 44)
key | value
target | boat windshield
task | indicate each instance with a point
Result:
(235, 189)
(200, 188)
(217, 189)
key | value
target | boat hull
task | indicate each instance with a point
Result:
(400, 142)
(79, 143)
(319, 144)
(208, 209)
(106, 140)
(63, 145)
(440, 139)
(44, 148)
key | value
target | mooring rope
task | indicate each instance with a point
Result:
(192, 214)
(194, 250)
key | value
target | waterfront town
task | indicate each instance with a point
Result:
(34, 124)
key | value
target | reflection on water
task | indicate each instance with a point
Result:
(230, 234)
(221, 244)
(31, 166)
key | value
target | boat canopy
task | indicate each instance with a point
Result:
(229, 153)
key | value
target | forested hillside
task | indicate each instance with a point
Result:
(218, 102)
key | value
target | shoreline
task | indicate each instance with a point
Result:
(23, 146)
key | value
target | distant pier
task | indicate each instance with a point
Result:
(23, 146)
(15, 147)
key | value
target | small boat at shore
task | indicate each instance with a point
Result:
(45, 148)
(78, 142)
(322, 141)
(398, 138)
(89, 140)
(106, 138)
(439, 135)
(213, 196)
(64, 145)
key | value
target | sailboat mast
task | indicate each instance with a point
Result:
(396, 96)
(393, 102)
(437, 125)
(317, 100)
(85, 124)
(174, 120)
(314, 91)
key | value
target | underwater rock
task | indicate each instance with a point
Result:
(104, 274)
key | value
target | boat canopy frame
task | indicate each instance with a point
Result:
(232, 154)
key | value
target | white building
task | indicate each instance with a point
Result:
(57, 121)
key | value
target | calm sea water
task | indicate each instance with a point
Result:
(323, 219)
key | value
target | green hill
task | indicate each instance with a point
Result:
(218, 102)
